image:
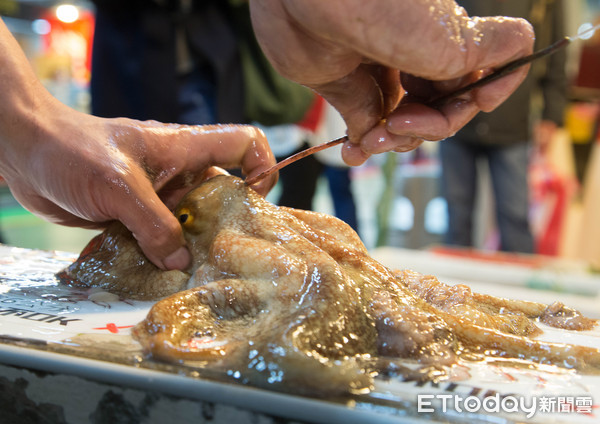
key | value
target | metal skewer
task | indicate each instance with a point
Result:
(500, 72)
(294, 158)
(511, 67)
(439, 101)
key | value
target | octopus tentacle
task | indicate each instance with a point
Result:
(495, 343)
(199, 323)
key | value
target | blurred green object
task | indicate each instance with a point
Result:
(21, 228)
(269, 98)
(384, 207)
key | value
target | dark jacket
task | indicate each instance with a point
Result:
(511, 121)
(134, 59)
(143, 49)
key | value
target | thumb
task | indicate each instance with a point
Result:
(358, 98)
(155, 228)
(500, 45)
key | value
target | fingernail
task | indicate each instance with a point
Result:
(180, 259)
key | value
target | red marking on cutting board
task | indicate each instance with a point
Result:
(112, 327)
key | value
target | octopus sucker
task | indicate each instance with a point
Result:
(289, 299)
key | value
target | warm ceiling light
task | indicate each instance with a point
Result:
(67, 13)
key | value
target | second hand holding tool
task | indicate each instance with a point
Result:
(439, 101)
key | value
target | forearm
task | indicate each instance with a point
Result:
(24, 100)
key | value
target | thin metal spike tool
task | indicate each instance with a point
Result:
(442, 100)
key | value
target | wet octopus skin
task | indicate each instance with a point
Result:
(290, 298)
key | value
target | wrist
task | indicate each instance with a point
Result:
(24, 123)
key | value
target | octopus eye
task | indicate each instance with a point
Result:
(185, 217)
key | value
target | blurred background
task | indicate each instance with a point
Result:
(397, 197)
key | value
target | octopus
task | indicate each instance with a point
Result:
(290, 299)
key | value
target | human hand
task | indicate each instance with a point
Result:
(79, 170)
(364, 57)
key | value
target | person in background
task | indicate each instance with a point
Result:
(503, 137)
(80, 170)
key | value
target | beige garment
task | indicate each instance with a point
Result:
(589, 244)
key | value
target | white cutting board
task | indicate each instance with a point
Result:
(36, 311)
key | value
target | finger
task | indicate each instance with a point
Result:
(409, 145)
(420, 121)
(353, 155)
(491, 95)
(494, 41)
(479, 43)
(388, 82)
(495, 46)
(226, 146)
(156, 229)
(358, 98)
(380, 140)
(246, 146)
